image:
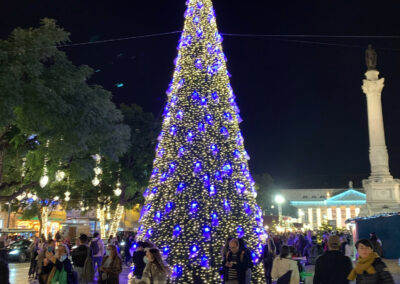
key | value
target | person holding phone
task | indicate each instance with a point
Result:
(47, 265)
(234, 264)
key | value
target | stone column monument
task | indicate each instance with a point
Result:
(383, 191)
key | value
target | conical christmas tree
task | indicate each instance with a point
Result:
(200, 191)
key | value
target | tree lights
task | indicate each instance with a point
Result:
(204, 190)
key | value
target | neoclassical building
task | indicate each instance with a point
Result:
(328, 205)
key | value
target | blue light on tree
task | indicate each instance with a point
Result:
(181, 187)
(164, 177)
(199, 32)
(169, 206)
(206, 180)
(177, 271)
(195, 96)
(228, 116)
(212, 190)
(172, 130)
(190, 136)
(197, 64)
(214, 219)
(209, 119)
(177, 230)
(214, 149)
(161, 152)
(181, 151)
(240, 232)
(227, 206)
(236, 153)
(224, 131)
(215, 96)
(197, 167)
(157, 217)
(149, 233)
(203, 101)
(196, 20)
(227, 169)
(204, 261)
(166, 251)
(172, 167)
(218, 176)
(154, 190)
(201, 127)
(194, 206)
(179, 114)
(240, 187)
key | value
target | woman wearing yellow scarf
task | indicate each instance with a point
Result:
(370, 269)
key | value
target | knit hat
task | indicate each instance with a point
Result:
(334, 242)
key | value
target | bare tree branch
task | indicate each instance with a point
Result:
(18, 192)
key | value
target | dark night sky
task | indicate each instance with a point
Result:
(304, 112)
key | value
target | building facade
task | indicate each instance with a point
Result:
(325, 206)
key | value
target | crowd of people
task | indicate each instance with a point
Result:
(285, 258)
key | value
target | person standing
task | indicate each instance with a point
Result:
(97, 248)
(79, 258)
(137, 259)
(333, 266)
(268, 258)
(63, 273)
(285, 269)
(235, 264)
(111, 267)
(156, 271)
(34, 252)
(370, 268)
(376, 244)
(4, 270)
(47, 265)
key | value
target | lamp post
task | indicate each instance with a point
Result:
(9, 213)
(279, 199)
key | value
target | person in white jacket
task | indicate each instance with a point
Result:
(283, 264)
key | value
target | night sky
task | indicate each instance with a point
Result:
(304, 112)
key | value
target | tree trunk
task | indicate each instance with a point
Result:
(102, 221)
(44, 217)
(119, 212)
(2, 155)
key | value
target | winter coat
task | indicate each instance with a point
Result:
(332, 268)
(282, 265)
(241, 266)
(382, 275)
(152, 275)
(79, 255)
(139, 263)
(113, 272)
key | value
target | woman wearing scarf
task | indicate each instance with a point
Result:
(370, 269)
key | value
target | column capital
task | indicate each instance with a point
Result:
(373, 87)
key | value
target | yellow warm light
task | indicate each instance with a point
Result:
(184, 113)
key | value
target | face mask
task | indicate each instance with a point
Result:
(50, 249)
(145, 260)
(107, 252)
(63, 257)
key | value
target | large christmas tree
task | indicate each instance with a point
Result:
(201, 191)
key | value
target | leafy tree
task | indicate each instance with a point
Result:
(45, 97)
(265, 191)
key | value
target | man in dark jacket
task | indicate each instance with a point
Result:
(332, 267)
(235, 264)
(79, 256)
(137, 259)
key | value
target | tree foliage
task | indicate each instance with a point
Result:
(45, 97)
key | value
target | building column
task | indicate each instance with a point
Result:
(319, 218)
(330, 213)
(310, 217)
(338, 217)
(378, 155)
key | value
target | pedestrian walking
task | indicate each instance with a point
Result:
(97, 249)
(284, 269)
(156, 270)
(333, 266)
(81, 257)
(370, 269)
(313, 251)
(235, 264)
(111, 266)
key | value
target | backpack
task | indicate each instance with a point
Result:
(94, 246)
(88, 268)
(313, 253)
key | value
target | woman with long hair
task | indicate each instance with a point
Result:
(369, 268)
(284, 269)
(111, 266)
(156, 271)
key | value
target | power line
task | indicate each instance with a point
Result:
(277, 37)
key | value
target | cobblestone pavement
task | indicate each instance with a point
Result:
(19, 273)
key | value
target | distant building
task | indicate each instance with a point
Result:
(328, 205)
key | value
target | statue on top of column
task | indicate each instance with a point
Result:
(370, 58)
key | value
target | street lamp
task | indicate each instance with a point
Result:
(279, 199)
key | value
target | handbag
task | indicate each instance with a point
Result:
(285, 278)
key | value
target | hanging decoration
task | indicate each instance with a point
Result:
(45, 179)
